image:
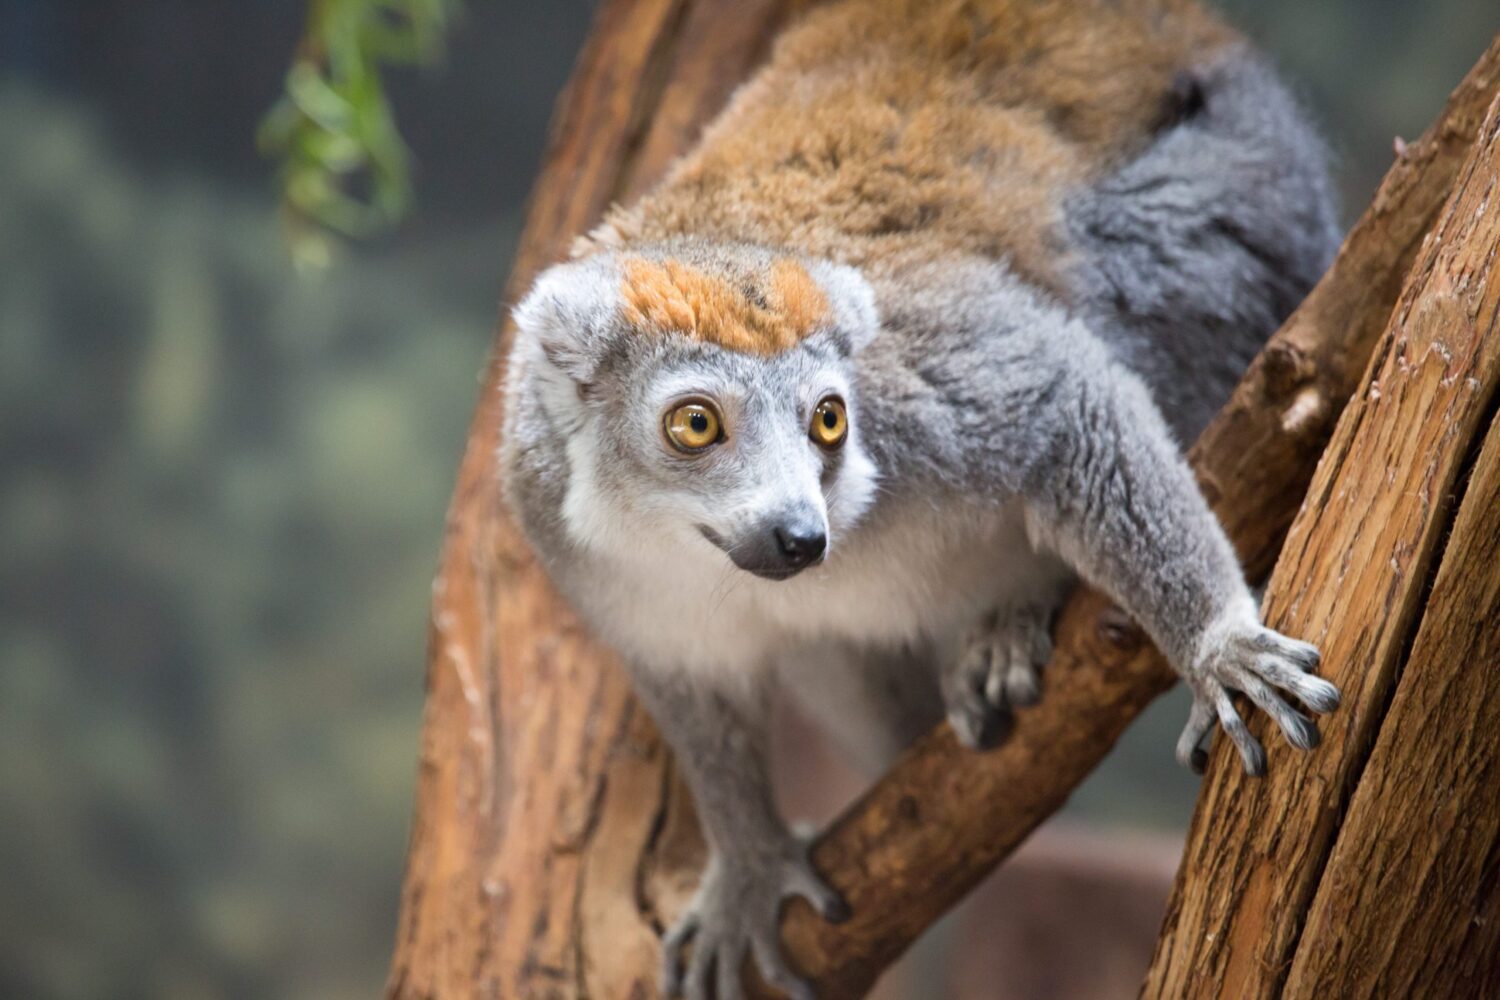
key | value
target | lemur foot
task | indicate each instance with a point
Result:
(998, 669)
(1240, 654)
(737, 912)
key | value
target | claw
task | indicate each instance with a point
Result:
(1190, 752)
(980, 725)
(1318, 695)
(1252, 754)
(700, 970)
(671, 953)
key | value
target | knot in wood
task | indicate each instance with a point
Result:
(1283, 368)
(909, 809)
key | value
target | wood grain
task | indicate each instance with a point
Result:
(1352, 577)
(1409, 903)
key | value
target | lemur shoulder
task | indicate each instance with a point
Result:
(908, 343)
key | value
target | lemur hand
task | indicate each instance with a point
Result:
(736, 912)
(998, 669)
(1238, 653)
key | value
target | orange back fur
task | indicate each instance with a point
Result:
(885, 132)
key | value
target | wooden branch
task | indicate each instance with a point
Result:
(551, 841)
(1353, 577)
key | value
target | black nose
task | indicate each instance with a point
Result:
(801, 545)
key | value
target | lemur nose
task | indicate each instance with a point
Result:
(801, 545)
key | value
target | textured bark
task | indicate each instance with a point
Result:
(542, 785)
(1354, 577)
(1409, 904)
(551, 840)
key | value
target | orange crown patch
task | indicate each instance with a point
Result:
(672, 297)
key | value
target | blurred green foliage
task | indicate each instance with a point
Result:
(344, 166)
(222, 497)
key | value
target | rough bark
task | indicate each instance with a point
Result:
(1353, 577)
(551, 840)
(1409, 903)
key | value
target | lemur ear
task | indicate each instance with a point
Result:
(569, 314)
(853, 302)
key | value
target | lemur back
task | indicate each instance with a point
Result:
(885, 131)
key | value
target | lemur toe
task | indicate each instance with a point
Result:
(735, 914)
(801, 879)
(1023, 683)
(671, 954)
(728, 973)
(979, 723)
(998, 670)
(701, 969)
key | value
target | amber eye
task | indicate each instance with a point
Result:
(694, 426)
(830, 423)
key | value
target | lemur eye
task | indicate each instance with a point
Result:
(830, 423)
(694, 426)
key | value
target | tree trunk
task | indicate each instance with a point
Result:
(1401, 883)
(541, 782)
(551, 840)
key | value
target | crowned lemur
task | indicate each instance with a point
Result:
(912, 337)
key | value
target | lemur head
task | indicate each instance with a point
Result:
(706, 397)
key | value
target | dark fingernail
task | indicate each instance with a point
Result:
(1255, 763)
(1324, 699)
(997, 726)
(1198, 760)
(836, 910)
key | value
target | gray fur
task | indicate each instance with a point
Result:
(1001, 441)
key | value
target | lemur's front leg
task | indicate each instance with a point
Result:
(1117, 500)
(719, 738)
(1107, 489)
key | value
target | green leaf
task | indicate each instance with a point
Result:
(343, 164)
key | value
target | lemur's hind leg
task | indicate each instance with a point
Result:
(721, 744)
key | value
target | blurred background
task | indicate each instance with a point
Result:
(222, 483)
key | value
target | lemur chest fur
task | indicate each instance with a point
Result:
(917, 572)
